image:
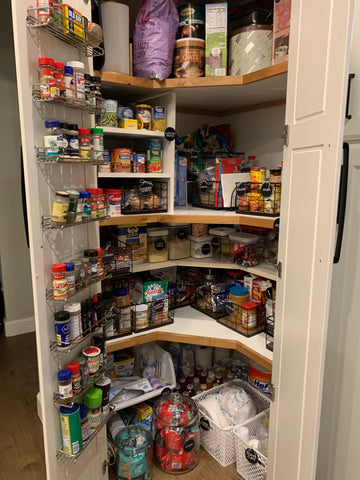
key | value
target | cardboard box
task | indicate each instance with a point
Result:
(216, 40)
(128, 123)
(281, 31)
(135, 237)
(143, 414)
(181, 180)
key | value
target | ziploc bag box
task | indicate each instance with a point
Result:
(216, 40)
(281, 31)
(181, 181)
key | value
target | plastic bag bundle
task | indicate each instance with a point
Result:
(154, 39)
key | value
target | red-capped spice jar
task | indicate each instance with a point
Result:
(102, 202)
(100, 264)
(59, 283)
(84, 144)
(59, 79)
(76, 378)
(46, 77)
(94, 200)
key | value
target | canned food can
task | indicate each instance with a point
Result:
(154, 156)
(158, 119)
(71, 429)
(139, 163)
(189, 58)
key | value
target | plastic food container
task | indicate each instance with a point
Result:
(158, 244)
(221, 243)
(133, 446)
(177, 437)
(92, 355)
(201, 247)
(243, 238)
(179, 240)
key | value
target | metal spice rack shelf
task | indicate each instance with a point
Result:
(66, 101)
(49, 156)
(60, 31)
(48, 224)
(94, 281)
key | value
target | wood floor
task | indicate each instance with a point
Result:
(21, 439)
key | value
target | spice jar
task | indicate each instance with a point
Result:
(87, 84)
(157, 244)
(91, 254)
(62, 329)
(54, 142)
(84, 422)
(92, 355)
(83, 370)
(96, 98)
(70, 278)
(78, 72)
(141, 316)
(99, 339)
(124, 310)
(93, 399)
(101, 202)
(79, 274)
(69, 83)
(65, 387)
(73, 136)
(83, 202)
(179, 240)
(74, 310)
(94, 201)
(59, 284)
(73, 200)
(97, 140)
(64, 127)
(100, 264)
(84, 144)
(76, 379)
(59, 79)
(46, 77)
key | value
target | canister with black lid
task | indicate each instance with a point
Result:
(191, 21)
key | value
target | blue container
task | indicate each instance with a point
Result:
(62, 329)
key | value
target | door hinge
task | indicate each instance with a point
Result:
(285, 135)
(279, 269)
(104, 467)
(272, 391)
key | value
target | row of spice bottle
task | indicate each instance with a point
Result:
(70, 140)
(132, 117)
(81, 272)
(72, 206)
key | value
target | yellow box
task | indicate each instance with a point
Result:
(143, 413)
(129, 123)
(73, 21)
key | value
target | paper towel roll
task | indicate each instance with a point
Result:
(115, 23)
(203, 357)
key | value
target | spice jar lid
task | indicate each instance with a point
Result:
(99, 337)
(84, 194)
(157, 232)
(100, 190)
(73, 194)
(93, 397)
(84, 131)
(87, 77)
(73, 366)
(58, 268)
(72, 307)
(64, 375)
(62, 316)
(64, 125)
(75, 64)
(121, 292)
(73, 126)
(92, 190)
(249, 305)
(52, 124)
(62, 194)
(69, 410)
(96, 80)
(103, 381)
(94, 299)
(70, 266)
(90, 252)
(59, 65)
(69, 70)
(91, 351)
(83, 411)
(100, 251)
(46, 61)
(97, 130)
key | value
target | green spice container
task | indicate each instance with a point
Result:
(71, 429)
(93, 399)
(73, 201)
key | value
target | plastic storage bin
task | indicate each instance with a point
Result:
(158, 245)
(251, 462)
(221, 243)
(220, 442)
(179, 240)
(201, 247)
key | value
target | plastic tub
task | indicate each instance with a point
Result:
(158, 244)
(221, 243)
(179, 240)
(201, 247)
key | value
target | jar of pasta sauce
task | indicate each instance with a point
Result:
(143, 116)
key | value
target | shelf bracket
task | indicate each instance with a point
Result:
(285, 135)
(279, 269)
(273, 389)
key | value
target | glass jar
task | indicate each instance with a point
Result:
(62, 329)
(53, 142)
(46, 77)
(60, 207)
(73, 135)
(82, 201)
(84, 144)
(133, 445)
(74, 310)
(91, 255)
(73, 201)
(83, 370)
(124, 310)
(179, 240)
(176, 430)
(100, 264)
(101, 202)
(65, 388)
(88, 268)
(76, 379)
(59, 284)
(87, 83)
(221, 244)
(78, 72)
(64, 127)
(158, 245)
(96, 83)
(79, 274)
(201, 247)
(70, 278)
(97, 140)
(57, 10)
(44, 12)
(59, 79)
(69, 83)
(94, 201)
(92, 399)
(99, 339)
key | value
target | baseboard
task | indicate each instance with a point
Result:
(20, 326)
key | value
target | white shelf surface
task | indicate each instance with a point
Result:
(262, 270)
(133, 175)
(189, 210)
(189, 322)
(127, 132)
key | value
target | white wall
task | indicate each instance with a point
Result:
(14, 254)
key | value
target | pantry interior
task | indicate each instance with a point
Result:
(255, 108)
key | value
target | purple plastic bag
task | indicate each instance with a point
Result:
(154, 39)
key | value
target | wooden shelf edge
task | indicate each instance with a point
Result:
(173, 83)
(140, 339)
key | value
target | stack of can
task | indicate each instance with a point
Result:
(189, 57)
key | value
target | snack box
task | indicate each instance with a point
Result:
(72, 21)
(281, 31)
(216, 40)
(181, 181)
(128, 123)
(143, 413)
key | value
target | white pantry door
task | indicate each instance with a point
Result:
(317, 81)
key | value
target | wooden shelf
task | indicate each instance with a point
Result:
(132, 175)
(194, 215)
(196, 328)
(127, 132)
(231, 94)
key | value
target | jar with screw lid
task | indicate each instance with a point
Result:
(70, 278)
(76, 379)
(74, 310)
(46, 77)
(65, 388)
(59, 283)
(84, 144)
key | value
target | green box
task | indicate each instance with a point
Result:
(216, 40)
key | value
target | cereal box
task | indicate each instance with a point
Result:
(215, 39)
(281, 31)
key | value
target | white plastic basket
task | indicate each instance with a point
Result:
(250, 463)
(220, 442)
